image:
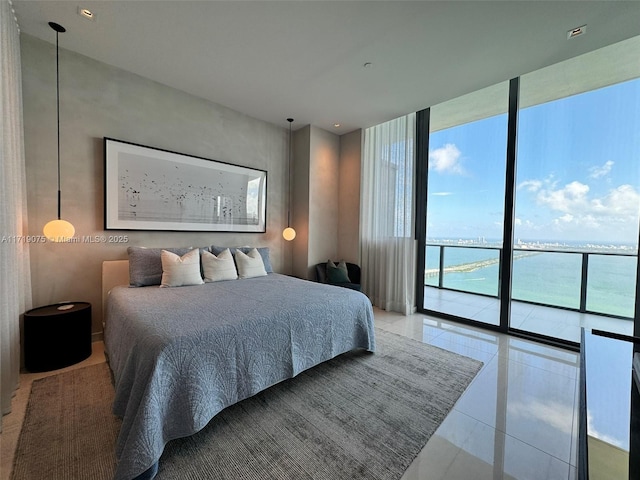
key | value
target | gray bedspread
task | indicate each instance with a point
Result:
(181, 355)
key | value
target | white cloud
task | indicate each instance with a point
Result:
(605, 438)
(623, 200)
(573, 200)
(446, 159)
(597, 172)
(568, 199)
(530, 185)
(580, 210)
(442, 194)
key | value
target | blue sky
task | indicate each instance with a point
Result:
(578, 171)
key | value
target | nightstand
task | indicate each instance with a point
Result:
(56, 336)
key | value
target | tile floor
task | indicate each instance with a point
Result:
(517, 419)
(550, 321)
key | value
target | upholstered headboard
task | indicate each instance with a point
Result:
(114, 273)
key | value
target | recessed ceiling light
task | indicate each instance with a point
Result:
(576, 32)
(336, 125)
(86, 13)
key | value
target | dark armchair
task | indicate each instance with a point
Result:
(353, 271)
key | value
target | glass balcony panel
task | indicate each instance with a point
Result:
(577, 188)
(432, 268)
(611, 284)
(548, 278)
(473, 269)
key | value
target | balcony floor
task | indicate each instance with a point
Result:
(550, 321)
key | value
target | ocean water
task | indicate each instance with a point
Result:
(551, 278)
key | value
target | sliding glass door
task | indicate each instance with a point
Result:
(550, 160)
(577, 204)
(465, 205)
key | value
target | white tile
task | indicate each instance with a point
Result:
(518, 417)
(544, 326)
(571, 333)
(459, 343)
(460, 309)
(488, 315)
(573, 458)
(528, 403)
(480, 300)
(464, 448)
(464, 346)
(617, 325)
(521, 308)
(545, 357)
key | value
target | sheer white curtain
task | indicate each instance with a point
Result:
(15, 279)
(387, 226)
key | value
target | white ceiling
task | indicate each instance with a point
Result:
(304, 59)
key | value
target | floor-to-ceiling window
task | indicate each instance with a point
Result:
(577, 197)
(465, 207)
(576, 193)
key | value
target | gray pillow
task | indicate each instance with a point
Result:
(263, 251)
(145, 265)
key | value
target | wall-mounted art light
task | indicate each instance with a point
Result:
(58, 230)
(289, 233)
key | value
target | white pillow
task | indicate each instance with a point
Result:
(179, 271)
(217, 268)
(250, 264)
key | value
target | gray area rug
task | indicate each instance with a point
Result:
(358, 416)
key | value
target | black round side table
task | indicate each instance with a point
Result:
(57, 336)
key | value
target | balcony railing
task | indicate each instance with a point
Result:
(597, 282)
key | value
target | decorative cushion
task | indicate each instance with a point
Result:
(337, 273)
(263, 251)
(218, 267)
(145, 265)
(250, 264)
(180, 271)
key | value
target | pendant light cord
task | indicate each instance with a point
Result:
(58, 230)
(58, 115)
(290, 120)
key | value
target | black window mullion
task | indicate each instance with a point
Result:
(506, 267)
(422, 175)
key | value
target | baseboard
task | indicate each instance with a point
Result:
(97, 337)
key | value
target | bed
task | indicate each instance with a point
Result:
(181, 355)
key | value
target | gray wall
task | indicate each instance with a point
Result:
(300, 200)
(97, 100)
(326, 193)
(324, 182)
(349, 197)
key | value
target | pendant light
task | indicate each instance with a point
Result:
(58, 230)
(289, 233)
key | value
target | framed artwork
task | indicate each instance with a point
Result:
(151, 189)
